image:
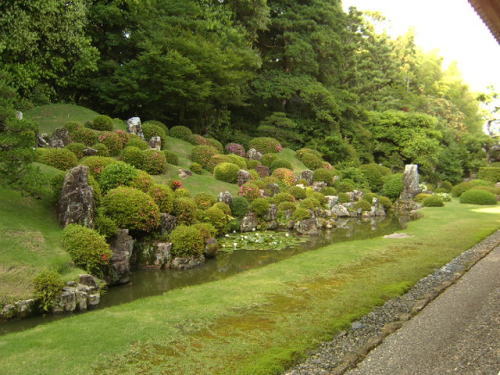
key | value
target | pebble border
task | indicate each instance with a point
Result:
(349, 347)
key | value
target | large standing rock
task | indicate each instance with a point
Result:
(332, 200)
(307, 175)
(307, 226)
(411, 185)
(254, 154)
(167, 223)
(60, 138)
(42, 140)
(272, 213)
(19, 115)
(226, 197)
(162, 253)
(135, 127)
(377, 209)
(340, 210)
(155, 143)
(249, 222)
(243, 177)
(122, 247)
(77, 204)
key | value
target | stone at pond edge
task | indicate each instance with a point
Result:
(211, 248)
(397, 235)
(181, 263)
(76, 204)
(307, 226)
(134, 126)
(162, 253)
(122, 247)
(411, 184)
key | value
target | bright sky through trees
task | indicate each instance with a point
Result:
(452, 26)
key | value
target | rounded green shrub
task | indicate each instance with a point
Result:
(102, 123)
(217, 218)
(297, 192)
(280, 163)
(421, 197)
(215, 143)
(156, 123)
(47, 286)
(59, 158)
(202, 154)
(283, 197)
(433, 201)
(204, 200)
(260, 206)
(287, 206)
(196, 168)
(385, 202)
(265, 145)
(224, 207)
(84, 135)
(268, 159)
(133, 156)
(324, 175)
(239, 206)
(238, 160)
(301, 214)
(462, 187)
(475, 196)
(163, 196)
(102, 149)
(393, 186)
(132, 209)
(252, 164)
(112, 141)
(303, 151)
(105, 226)
(343, 198)
(217, 159)
(181, 132)
(311, 161)
(150, 130)
(374, 175)
(171, 157)
(187, 241)
(310, 203)
(320, 197)
(491, 174)
(116, 174)
(182, 193)
(142, 181)
(77, 149)
(447, 186)
(155, 162)
(345, 185)
(363, 204)
(87, 248)
(185, 210)
(227, 172)
(207, 230)
(138, 142)
(329, 190)
(72, 126)
(96, 164)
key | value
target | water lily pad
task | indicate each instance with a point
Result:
(266, 240)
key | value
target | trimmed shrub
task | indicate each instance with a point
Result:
(280, 163)
(462, 187)
(116, 174)
(102, 149)
(182, 193)
(252, 164)
(250, 191)
(345, 185)
(154, 162)
(202, 154)
(323, 174)
(311, 161)
(283, 197)
(102, 123)
(385, 202)
(421, 197)
(77, 149)
(344, 198)
(260, 206)
(150, 129)
(447, 186)
(489, 174)
(142, 181)
(393, 186)
(97, 164)
(84, 135)
(268, 159)
(187, 241)
(132, 209)
(124, 136)
(105, 226)
(301, 214)
(265, 145)
(475, 196)
(138, 142)
(287, 206)
(185, 210)
(216, 217)
(227, 172)
(163, 197)
(363, 204)
(181, 132)
(112, 141)
(198, 139)
(47, 286)
(171, 157)
(303, 151)
(224, 207)
(238, 160)
(215, 143)
(133, 156)
(87, 248)
(239, 206)
(207, 230)
(433, 201)
(356, 175)
(156, 123)
(310, 203)
(217, 159)
(492, 189)
(72, 126)
(329, 191)
(236, 148)
(204, 200)
(59, 158)
(285, 175)
(297, 192)
(374, 175)
(196, 168)
(320, 197)
(445, 197)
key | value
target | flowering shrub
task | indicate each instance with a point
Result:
(236, 148)
(204, 200)
(250, 191)
(175, 184)
(96, 164)
(124, 136)
(285, 175)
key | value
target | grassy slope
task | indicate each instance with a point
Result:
(289, 154)
(30, 242)
(254, 322)
(52, 116)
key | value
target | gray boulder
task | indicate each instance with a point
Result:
(332, 200)
(76, 204)
(155, 143)
(340, 210)
(60, 138)
(411, 182)
(249, 222)
(307, 226)
(254, 154)
(42, 140)
(184, 263)
(319, 185)
(262, 170)
(135, 127)
(226, 197)
(211, 248)
(307, 175)
(167, 223)
(162, 253)
(122, 247)
(243, 177)
(89, 151)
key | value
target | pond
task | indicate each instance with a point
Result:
(151, 282)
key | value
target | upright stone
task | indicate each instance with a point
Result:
(60, 138)
(410, 188)
(155, 143)
(243, 177)
(307, 175)
(122, 247)
(135, 127)
(77, 204)
(226, 197)
(19, 115)
(254, 154)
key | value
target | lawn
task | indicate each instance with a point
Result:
(290, 155)
(256, 322)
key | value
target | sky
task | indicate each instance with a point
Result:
(452, 27)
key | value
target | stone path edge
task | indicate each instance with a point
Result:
(351, 346)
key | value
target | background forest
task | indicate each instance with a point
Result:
(303, 71)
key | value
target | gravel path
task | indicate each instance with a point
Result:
(458, 336)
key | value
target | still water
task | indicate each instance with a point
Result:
(145, 283)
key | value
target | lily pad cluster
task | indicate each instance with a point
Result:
(265, 240)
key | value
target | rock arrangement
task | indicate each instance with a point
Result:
(134, 126)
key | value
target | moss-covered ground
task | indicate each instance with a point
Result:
(256, 322)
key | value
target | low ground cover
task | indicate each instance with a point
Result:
(255, 322)
(52, 116)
